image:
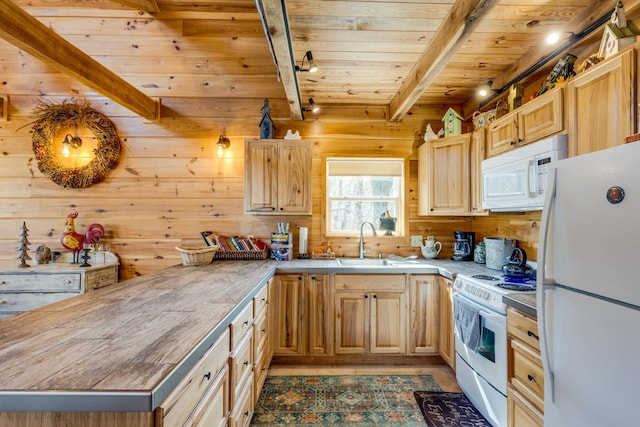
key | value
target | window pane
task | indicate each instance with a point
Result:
(364, 186)
(347, 215)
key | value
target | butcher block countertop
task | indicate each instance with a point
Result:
(121, 348)
(124, 348)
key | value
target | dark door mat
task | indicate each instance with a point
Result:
(442, 409)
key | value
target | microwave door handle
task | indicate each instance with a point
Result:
(532, 178)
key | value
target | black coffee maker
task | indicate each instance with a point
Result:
(463, 245)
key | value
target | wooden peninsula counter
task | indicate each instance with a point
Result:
(111, 357)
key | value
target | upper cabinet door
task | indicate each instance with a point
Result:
(294, 177)
(541, 117)
(600, 104)
(443, 175)
(261, 179)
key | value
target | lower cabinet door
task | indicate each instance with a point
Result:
(243, 409)
(213, 410)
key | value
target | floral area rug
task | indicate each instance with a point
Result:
(449, 410)
(341, 400)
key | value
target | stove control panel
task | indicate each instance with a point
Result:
(483, 293)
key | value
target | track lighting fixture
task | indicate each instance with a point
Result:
(312, 67)
(486, 89)
(70, 141)
(223, 143)
(312, 107)
(553, 38)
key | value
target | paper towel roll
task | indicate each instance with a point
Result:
(302, 240)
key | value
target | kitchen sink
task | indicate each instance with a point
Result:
(362, 262)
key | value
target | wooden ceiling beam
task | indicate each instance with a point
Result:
(462, 21)
(145, 5)
(273, 14)
(27, 33)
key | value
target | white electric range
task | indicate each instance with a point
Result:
(481, 363)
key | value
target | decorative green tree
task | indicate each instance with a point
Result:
(23, 247)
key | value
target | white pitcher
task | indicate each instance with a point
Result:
(431, 248)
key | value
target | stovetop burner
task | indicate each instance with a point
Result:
(485, 277)
(517, 287)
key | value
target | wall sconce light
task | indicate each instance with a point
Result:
(70, 141)
(486, 89)
(223, 143)
(312, 65)
(312, 107)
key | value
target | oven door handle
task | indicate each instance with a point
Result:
(490, 315)
(496, 316)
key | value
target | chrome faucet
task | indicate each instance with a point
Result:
(373, 229)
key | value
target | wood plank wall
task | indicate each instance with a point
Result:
(169, 184)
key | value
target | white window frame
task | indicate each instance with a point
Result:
(399, 200)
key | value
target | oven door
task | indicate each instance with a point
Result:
(490, 359)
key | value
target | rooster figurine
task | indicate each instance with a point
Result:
(75, 241)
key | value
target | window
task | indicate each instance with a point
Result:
(364, 190)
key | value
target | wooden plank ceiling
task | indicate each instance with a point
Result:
(380, 52)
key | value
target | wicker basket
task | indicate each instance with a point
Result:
(241, 255)
(197, 256)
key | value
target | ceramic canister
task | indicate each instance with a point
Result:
(498, 250)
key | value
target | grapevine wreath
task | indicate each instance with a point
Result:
(49, 117)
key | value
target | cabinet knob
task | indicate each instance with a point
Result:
(246, 414)
(281, 209)
(366, 296)
(246, 363)
(512, 143)
(4, 282)
(375, 296)
(207, 376)
(245, 323)
(531, 377)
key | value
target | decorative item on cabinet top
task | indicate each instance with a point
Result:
(266, 125)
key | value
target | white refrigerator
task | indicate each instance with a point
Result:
(588, 290)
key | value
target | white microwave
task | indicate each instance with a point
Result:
(516, 181)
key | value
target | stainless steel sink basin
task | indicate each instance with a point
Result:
(362, 262)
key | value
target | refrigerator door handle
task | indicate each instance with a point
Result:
(545, 284)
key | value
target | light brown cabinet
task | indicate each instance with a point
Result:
(525, 394)
(278, 177)
(446, 346)
(601, 110)
(423, 314)
(444, 176)
(319, 314)
(287, 315)
(540, 117)
(370, 314)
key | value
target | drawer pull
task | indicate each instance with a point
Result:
(531, 334)
(208, 375)
(264, 330)
(245, 323)
(67, 281)
(246, 363)
(246, 414)
(4, 282)
(531, 377)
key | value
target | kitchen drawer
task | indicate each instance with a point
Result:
(260, 301)
(521, 413)
(523, 327)
(528, 374)
(14, 303)
(370, 282)
(241, 365)
(213, 410)
(241, 324)
(40, 282)
(191, 390)
(95, 279)
(243, 410)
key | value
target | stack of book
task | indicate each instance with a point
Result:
(233, 243)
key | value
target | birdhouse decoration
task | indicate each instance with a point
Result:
(618, 34)
(452, 123)
(267, 127)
